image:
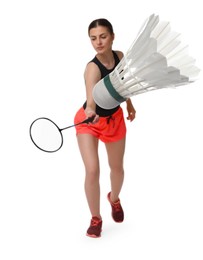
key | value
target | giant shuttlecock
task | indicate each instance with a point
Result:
(156, 60)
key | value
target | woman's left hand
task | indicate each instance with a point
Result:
(131, 110)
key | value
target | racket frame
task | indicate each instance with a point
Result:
(86, 121)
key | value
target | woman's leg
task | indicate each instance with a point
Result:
(115, 151)
(88, 146)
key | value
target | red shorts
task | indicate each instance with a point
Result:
(108, 129)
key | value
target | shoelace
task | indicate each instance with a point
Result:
(117, 206)
(95, 222)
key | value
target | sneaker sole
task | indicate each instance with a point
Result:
(92, 236)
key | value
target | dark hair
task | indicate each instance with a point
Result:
(101, 22)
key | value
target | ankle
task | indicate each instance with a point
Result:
(97, 217)
(113, 199)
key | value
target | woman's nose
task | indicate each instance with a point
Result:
(98, 41)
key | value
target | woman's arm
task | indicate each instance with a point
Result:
(131, 110)
(92, 76)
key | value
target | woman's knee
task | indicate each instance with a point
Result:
(117, 169)
(92, 175)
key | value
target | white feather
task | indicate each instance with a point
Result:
(156, 59)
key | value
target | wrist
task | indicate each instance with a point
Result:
(89, 111)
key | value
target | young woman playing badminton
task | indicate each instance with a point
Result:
(108, 126)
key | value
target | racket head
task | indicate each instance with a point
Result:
(46, 135)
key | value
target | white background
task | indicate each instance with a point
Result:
(44, 48)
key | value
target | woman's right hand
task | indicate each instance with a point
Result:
(91, 113)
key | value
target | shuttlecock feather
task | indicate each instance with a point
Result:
(156, 60)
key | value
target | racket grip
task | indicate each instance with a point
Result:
(89, 120)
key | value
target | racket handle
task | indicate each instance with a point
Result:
(88, 120)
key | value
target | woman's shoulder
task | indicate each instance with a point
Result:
(91, 69)
(119, 54)
(91, 65)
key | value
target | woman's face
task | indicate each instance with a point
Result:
(101, 39)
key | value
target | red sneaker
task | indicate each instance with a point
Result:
(95, 227)
(117, 211)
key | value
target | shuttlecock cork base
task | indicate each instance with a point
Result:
(156, 60)
(105, 92)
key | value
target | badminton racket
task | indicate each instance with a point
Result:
(47, 136)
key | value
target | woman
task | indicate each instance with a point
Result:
(107, 126)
